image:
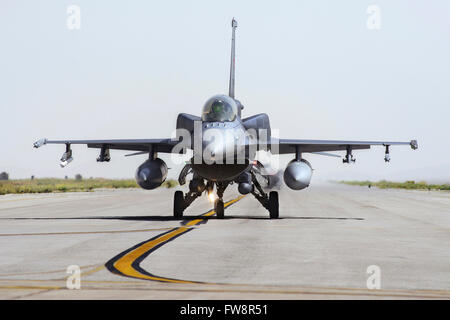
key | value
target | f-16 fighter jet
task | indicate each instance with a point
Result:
(224, 148)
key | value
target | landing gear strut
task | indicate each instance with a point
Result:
(219, 208)
(218, 204)
(270, 202)
(181, 202)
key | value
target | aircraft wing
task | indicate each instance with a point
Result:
(286, 146)
(157, 145)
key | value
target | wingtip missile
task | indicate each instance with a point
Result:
(414, 144)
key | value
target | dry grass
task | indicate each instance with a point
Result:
(47, 185)
(411, 185)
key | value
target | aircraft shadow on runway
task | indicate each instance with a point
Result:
(183, 219)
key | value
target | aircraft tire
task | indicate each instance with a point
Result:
(219, 208)
(273, 205)
(178, 204)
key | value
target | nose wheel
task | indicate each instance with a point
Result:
(218, 204)
(219, 208)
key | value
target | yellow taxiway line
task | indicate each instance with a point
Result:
(128, 262)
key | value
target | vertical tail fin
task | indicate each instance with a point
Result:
(232, 66)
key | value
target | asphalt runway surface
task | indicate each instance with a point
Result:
(128, 245)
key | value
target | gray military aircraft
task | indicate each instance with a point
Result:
(224, 148)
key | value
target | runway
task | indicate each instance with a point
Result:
(129, 246)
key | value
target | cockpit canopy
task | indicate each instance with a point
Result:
(220, 108)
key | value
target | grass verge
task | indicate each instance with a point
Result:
(410, 185)
(48, 185)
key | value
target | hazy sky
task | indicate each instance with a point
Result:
(313, 66)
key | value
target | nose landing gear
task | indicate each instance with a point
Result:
(218, 204)
(219, 208)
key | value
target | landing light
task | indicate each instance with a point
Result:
(211, 197)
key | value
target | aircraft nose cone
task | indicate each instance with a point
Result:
(214, 144)
(221, 145)
(217, 149)
(213, 150)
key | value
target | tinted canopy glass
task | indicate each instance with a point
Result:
(219, 108)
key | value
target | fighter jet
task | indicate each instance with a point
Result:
(223, 148)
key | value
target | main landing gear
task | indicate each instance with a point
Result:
(273, 205)
(178, 204)
(270, 202)
(182, 201)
